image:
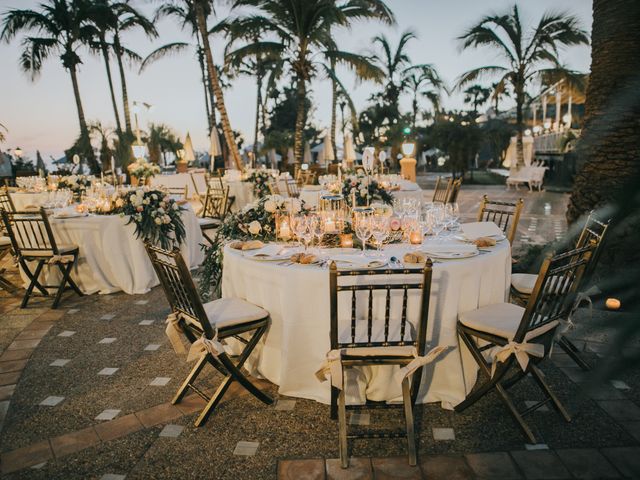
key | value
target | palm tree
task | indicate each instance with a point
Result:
(2, 136)
(185, 14)
(498, 92)
(104, 134)
(162, 139)
(303, 28)
(55, 29)
(415, 85)
(401, 74)
(102, 19)
(476, 95)
(527, 56)
(127, 18)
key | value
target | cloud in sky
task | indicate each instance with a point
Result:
(42, 114)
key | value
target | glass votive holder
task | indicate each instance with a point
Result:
(346, 240)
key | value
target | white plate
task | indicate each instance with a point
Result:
(65, 215)
(450, 255)
(497, 238)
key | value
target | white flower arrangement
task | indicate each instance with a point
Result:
(141, 169)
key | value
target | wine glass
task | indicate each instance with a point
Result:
(453, 215)
(299, 224)
(380, 230)
(363, 228)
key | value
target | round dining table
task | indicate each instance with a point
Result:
(297, 298)
(111, 258)
(28, 200)
(405, 189)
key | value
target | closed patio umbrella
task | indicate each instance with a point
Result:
(291, 158)
(214, 149)
(349, 152)
(307, 154)
(189, 154)
(328, 149)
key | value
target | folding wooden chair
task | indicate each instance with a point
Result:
(522, 284)
(5, 242)
(32, 240)
(441, 191)
(452, 197)
(387, 340)
(6, 203)
(209, 323)
(274, 187)
(522, 337)
(292, 188)
(218, 182)
(214, 211)
(505, 215)
(179, 191)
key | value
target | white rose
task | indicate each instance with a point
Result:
(158, 221)
(119, 203)
(255, 227)
(270, 206)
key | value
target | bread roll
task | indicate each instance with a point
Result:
(485, 242)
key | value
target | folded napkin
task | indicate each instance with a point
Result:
(357, 261)
(480, 229)
(448, 248)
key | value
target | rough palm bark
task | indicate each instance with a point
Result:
(301, 93)
(123, 82)
(258, 113)
(105, 55)
(217, 90)
(334, 113)
(609, 150)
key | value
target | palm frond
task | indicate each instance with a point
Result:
(363, 66)
(36, 51)
(174, 48)
(477, 73)
(269, 50)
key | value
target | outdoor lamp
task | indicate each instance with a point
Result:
(408, 149)
(304, 166)
(537, 129)
(547, 125)
(527, 132)
(18, 152)
(566, 118)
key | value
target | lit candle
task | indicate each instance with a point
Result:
(330, 225)
(415, 237)
(613, 303)
(346, 240)
(285, 231)
(340, 173)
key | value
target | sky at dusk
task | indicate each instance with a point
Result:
(41, 114)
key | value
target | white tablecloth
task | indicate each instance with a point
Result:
(297, 298)
(24, 200)
(243, 191)
(112, 258)
(311, 194)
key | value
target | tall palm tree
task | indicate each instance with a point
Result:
(55, 29)
(420, 85)
(304, 29)
(162, 139)
(102, 19)
(202, 9)
(127, 18)
(526, 55)
(185, 14)
(476, 95)
(400, 73)
(498, 92)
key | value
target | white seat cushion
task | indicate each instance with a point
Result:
(5, 241)
(502, 320)
(225, 312)
(392, 351)
(523, 282)
(63, 249)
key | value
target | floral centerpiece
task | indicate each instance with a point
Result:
(141, 170)
(78, 184)
(255, 221)
(364, 191)
(260, 180)
(157, 217)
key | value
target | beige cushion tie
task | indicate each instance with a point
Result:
(520, 350)
(204, 345)
(418, 361)
(64, 259)
(174, 332)
(332, 368)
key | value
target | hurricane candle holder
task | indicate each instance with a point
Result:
(283, 227)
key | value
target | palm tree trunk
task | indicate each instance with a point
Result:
(334, 114)
(520, 128)
(258, 113)
(607, 153)
(217, 90)
(84, 131)
(205, 86)
(123, 82)
(414, 113)
(105, 55)
(301, 93)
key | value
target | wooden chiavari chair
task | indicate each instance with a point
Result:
(5, 242)
(274, 187)
(179, 191)
(211, 323)
(505, 215)
(292, 188)
(373, 338)
(218, 182)
(522, 336)
(441, 191)
(523, 284)
(215, 209)
(452, 197)
(32, 240)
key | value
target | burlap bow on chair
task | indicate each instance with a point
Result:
(64, 259)
(520, 350)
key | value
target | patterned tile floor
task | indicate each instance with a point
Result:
(61, 419)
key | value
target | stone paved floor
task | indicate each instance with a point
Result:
(85, 392)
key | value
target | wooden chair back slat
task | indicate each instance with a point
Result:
(292, 188)
(274, 187)
(178, 286)
(30, 231)
(554, 292)
(361, 277)
(216, 202)
(452, 196)
(6, 203)
(441, 191)
(506, 215)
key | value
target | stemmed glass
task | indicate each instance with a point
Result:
(363, 228)
(300, 228)
(316, 227)
(453, 215)
(438, 222)
(380, 230)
